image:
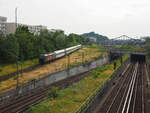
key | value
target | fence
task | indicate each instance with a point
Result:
(55, 77)
(91, 103)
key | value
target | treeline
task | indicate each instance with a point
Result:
(147, 45)
(99, 38)
(24, 45)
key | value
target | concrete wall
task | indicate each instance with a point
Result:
(56, 77)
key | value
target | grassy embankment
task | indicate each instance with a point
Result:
(10, 68)
(131, 48)
(90, 53)
(69, 100)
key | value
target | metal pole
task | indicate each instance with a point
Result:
(16, 16)
(17, 75)
(82, 57)
(68, 61)
(21, 70)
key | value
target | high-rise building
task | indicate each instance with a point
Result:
(3, 20)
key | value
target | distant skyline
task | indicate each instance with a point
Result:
(111, 18)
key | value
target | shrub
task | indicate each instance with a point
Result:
(95, 74)
(53, 92)
(15, 77)
(1, 69)
(32, 79)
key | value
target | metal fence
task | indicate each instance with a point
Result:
(91, 103)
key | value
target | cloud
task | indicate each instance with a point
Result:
(109, 17)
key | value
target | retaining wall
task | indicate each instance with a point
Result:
(52, 78)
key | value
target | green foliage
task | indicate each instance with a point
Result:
(31, 80)
(24, 45)
(22, 29)
(1, 69)
(53, 92)
(9, 49)
(44, 108)
(147, 47)
(95, 35)
(131, 48)
(97, 72)
(15, 77)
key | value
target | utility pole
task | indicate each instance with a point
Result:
(17, 58)
(17, 75)
(68, 61)
(83, 58)
(16, 17)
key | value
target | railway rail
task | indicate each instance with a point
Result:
(21, 104)
(128, 95)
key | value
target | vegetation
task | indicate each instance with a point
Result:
(72, 98)
(1, 69)
(131, 48)
(147, 46)
(53, 93)
(10, 68)
(23, 45)
(90, 53)
(95, 35)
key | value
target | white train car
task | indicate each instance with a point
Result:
(60, 53)
(72, 49)
(44, 58)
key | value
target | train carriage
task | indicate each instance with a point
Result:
(45, 58)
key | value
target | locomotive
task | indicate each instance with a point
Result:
(45, 58)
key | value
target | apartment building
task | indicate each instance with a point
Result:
(10, 28)
(35, 29)
(3, 20)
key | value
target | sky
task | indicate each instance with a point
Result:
(111, 18)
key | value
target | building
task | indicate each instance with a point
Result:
(3, 20)
(10, 28)
(92, 39)
(55, 30)
(35, 29)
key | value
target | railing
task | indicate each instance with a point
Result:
(100, 90)
(127, 51)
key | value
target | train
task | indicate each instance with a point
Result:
(47, 58)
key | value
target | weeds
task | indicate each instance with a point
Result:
(53, 93)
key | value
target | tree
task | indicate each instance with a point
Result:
(9, 49)
(22, 29)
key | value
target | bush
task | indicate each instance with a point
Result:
(32, 79)
(15, 77)
(53, 92)
(1, 69)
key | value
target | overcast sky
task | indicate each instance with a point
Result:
(107, 17)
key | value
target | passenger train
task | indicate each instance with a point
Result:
(45, 58)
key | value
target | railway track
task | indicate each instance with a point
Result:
(21, 104)
(128, 95)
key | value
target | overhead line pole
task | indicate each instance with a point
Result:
(17, 58)
(16, 17)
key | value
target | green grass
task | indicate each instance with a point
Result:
(131, 48)
(69, 100)
(10, 68)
